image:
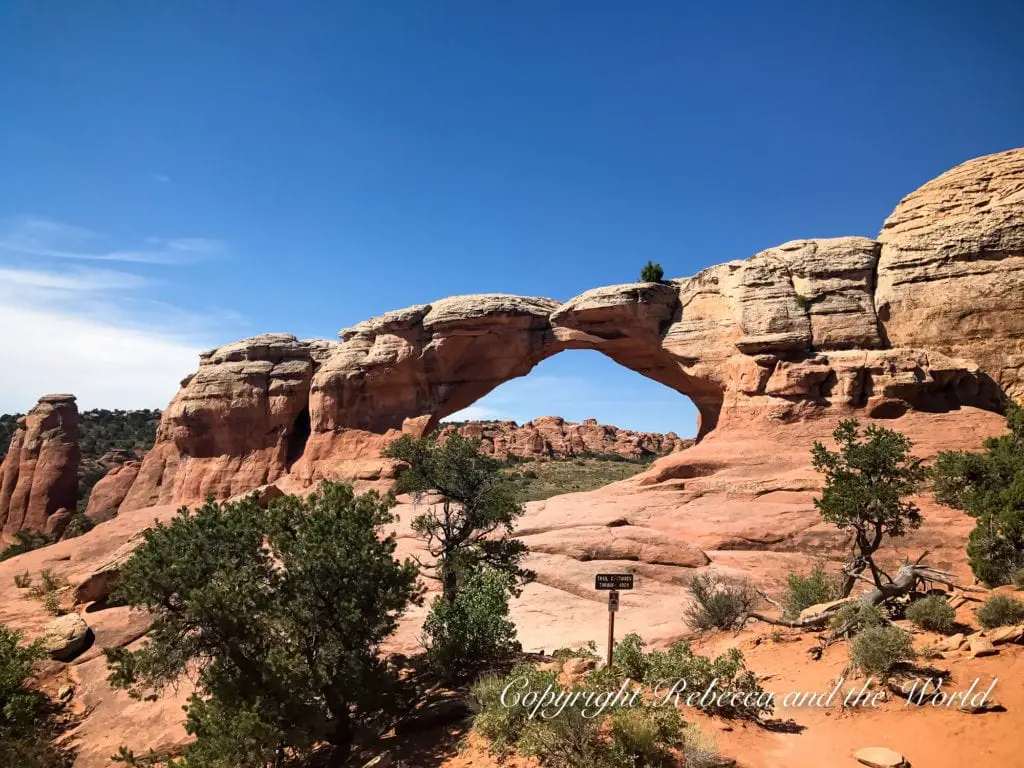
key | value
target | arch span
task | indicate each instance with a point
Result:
(788, 334)
(410, 369)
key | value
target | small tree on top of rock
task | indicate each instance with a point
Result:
(867, 482)
(651, 273)
(471, 525)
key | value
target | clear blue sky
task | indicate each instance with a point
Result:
(181, 174)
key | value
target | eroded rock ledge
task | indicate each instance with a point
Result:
(928, 317)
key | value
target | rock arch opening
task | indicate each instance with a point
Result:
(584, 385)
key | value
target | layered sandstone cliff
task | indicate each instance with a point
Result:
(39, 474)
(554, 437)
(928, 317)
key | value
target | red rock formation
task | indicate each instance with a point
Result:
(39, 474)
(951, 273)
(110, 491)
(787, 335)
(554, 437)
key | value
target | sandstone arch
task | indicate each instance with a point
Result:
(788, 334)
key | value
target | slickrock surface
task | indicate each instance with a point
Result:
(39, 474)
(554, 437)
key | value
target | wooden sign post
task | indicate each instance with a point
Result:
(612, 583)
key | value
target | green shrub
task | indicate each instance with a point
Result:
(530, 474)
(629, 658)
(503, 725)
(25, 541)
(644, 736)
(679, 666)
(1000, 611)
(804, 591)
(27, 726)
(699, 750)
(877, 650)
(856, 616)
(988, 487)
(577, 737)
(1018, 578)
(651, 273)
(47, 590)
(51, 604)
(719, 602)
(77, 525)
(589, 652)
(568, 740)
(23, 580)
(473, 631)
(933, 614)
(277, 614)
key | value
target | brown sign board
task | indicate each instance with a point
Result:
(613, 581)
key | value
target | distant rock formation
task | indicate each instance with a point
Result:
(39, 474)
(110, 490)
(928, 317)
(552, 437)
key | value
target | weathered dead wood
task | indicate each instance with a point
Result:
(907, 578)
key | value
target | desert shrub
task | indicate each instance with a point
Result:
(502, 725)
(587, 652)
(27, 728)
(530, 474)
(568, 740)
(1018, 578)
(473, 631)
(629, 657)
(738, 693)
(876, 650)
(988, 486)
(651, 273)
(25, 540)
(933, 614)
(577, 736)
(1000, 611)
(277, 614)
(719, 602)
(23, 580)
(644, 736)
(47, 590)
(51, 604)
(77, 525)
(855, 616)
(699, 750)
(804, 591)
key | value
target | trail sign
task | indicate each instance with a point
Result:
(613, 581)
(613, 601)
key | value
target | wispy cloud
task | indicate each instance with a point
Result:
(161, 177)
(42, 237)
(97, 331)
